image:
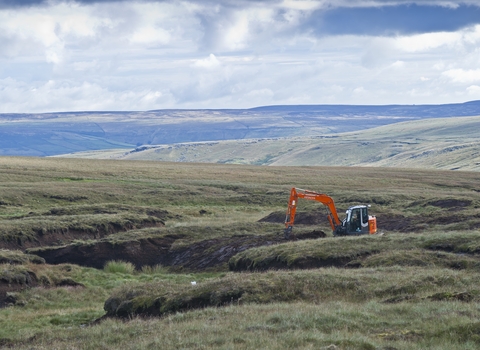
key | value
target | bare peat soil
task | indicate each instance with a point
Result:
(8, 287)
(153, 251)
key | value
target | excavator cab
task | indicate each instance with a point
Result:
(357, 221)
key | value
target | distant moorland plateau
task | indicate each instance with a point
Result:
(434, 136)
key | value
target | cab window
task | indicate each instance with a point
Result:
(364, 216)
(355, 223)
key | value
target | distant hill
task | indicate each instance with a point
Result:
(443, 143)
(60, 133)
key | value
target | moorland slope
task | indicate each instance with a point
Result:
(443, 143)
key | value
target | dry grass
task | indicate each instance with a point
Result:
(437, 143)
(356, 286)
(351, 310)
(387, 250)
(413, 290)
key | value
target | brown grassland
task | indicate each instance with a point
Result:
(101, 254)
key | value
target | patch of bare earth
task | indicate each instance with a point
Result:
(153, 251)
(65, 235)
(8, 288)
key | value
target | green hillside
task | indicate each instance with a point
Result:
(445, 143)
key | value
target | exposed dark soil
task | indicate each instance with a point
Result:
(8, 288)
(158, 250)
(64, 236)
(28, 279)
(398, 223)
(450, 203)
(307, 262)
(301, 218)
(407, 224)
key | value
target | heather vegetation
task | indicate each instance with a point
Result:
(133, 254)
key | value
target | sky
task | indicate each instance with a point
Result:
(121, 55)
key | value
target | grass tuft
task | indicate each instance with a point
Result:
(154, 270)
(118, 266)
(18, 257)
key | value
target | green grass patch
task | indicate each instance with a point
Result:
(383, 284)
(300, 325)
(119, 267)
(18, 257)
(387, 250)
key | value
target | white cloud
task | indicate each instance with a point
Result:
(398, 64)
(210, 62)
(378, 52)
(463, 76)
(336, 88)
(260, 93)
(304, 5)
(150, 35)
(474, 91)
(54, 96)
(359, 90)
(427, 41)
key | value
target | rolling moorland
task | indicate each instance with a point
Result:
(103, 254)
(437, 143)
(50, 134)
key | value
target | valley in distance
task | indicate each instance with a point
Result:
(434, 136)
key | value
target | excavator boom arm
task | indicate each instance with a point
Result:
(296, 193)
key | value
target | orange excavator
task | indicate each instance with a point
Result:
(357, 221)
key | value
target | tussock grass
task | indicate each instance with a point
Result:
(117, 266)
(419, 257)
(31, 231)
(382, 284)
(279, 326)
(15, 274)
(153, 270)
(57, 304)
(392, 249)
(18, 257)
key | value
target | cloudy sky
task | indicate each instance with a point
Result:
(140, 55)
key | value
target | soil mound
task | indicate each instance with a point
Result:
(418, 223)
(450, 203)
(18, 282)
(397, 223)
(62, 236)
(301, 218)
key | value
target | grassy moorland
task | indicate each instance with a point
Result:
(415, 287)
(444, 143)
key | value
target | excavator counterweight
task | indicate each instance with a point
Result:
(356, 222)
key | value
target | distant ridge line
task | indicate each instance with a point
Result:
(298, 108)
